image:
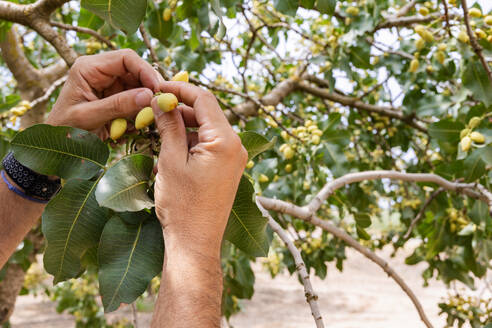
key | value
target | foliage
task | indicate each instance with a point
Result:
(336, 87)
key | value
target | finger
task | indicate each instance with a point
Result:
(188, 116)
(115, 88)
(192, 137)
(124, 104)
(100, 69)
(174, 147)
(205, 105)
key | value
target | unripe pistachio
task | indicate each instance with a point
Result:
(475, 12)
(474, 122)
(317, 132)
(118, 128)
(465, 144)
(167, 102)
(250, 164)
(477, 137)
(315, 139)
(442, 46)
(414, 66)
(419, 44)
(427, 36)
(488, 20)
(308, 123)
(284, 135)
(440, 57)
(181, 76)
(424, 11)
(463, 37)
(26, 104)
(288, 152)
(288, 168)
(480, 34)
(354, 11)
(306, 185)
(167, 14)
(464, 133)
(263, 178)
(144, 118)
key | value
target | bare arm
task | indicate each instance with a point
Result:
(17, 217)
(198, 176)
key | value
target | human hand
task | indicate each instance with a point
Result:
(103, 87)
(198, 172)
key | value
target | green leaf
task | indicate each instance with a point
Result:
(288, 7)
(479, 212)
(362, 233)
(89, 20)
(446, 130)
(130, 255)
(339, 137)
(326, 6)
(122, 14)
(72, 223)
(246, 227)
(124, 186)
(158, 27)
(476, 80)
(60, 150)
(363, 220)
(474, 167)
(255, 143)
(361, 57)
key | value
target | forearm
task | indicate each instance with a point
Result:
(191, 287)
(17, 217)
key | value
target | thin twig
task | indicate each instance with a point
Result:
(47, 94)
(153, 54)
(85, 31)
(473, 41)
(134, 315)
(421, 212)
(311, 296)
(446, 14)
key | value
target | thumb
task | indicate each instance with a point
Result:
(125, 104)
(174, 146)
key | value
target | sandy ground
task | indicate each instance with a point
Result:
(361, 296)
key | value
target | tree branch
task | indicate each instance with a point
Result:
(304, 214)
(36, 16)
(55, 71)
(84, 30)
(311, 296)
(48, 92)
(354, 102)
(329, 188)
(473, 41)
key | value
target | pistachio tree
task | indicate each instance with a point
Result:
(352, 112)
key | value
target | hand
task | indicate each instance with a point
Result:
(103, 87)
(198, 172)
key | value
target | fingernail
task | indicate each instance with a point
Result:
(143, 98)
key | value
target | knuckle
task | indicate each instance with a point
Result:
(79, 62)
(127, 52)
(208, 96)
